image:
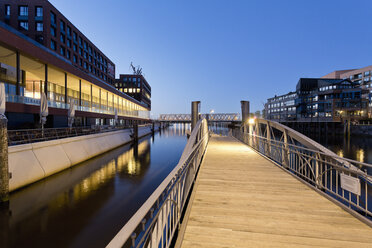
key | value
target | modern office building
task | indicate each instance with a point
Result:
(323, 99)
(41, 51)
(135, 86)
(320, 100)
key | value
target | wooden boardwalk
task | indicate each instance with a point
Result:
(244, 200)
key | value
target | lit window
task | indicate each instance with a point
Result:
(39, 11)
(23, 25)
(23, 11)
(7, 10)
(39, 26)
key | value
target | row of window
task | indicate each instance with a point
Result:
(24, 25)
(23, 11)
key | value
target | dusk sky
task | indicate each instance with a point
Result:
(221, 52)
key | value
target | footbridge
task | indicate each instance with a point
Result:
(216, 117)
(263, 185)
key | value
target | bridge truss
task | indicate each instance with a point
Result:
(218, 117)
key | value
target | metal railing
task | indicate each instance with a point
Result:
(27, 136)
(158, 219)
(345, 180)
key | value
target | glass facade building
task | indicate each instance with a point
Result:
(28, 68)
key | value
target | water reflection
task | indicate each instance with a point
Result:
(355, 147)
(88, 204)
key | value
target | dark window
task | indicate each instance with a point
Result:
(39, 26)
(39, 11)
(90, 50)
(7, 10)
(81, 51)
(23, 25)
(69, 43)
(74, 47)
(75, 36)
(85, 45)
(40, 39)
(90, 68)
(68, 54)
(23, 11)
(90, 59)
(80, 41)
(53, 31)
(62, 51)
(81, 62)
(62, 26)
(53, 45)
(62, 38)
(53, 18)
(85, 65)
(85, 55)
(75, 59)
(68, 30)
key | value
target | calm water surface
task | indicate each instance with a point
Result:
(87, 205)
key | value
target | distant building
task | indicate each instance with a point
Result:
(323, 99)
(281, 107)
(135, 86)
(320, 99)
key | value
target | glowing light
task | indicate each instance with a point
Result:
(360, 155)
(340, 153)
(251, 120)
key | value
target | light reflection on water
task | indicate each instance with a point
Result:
(358, 148)
(87, 205)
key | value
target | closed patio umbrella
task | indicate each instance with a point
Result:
(116, 117)
(43, 111)
(71, 113)
(2, 100)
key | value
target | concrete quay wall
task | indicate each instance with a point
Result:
(29, 163)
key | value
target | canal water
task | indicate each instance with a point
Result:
(86, 206)
(356, 147)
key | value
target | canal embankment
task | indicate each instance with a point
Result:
(29, 163)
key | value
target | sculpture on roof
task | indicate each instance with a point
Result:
(136, 70)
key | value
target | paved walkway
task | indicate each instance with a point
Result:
(243, 200)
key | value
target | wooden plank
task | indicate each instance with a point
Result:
(244, 200)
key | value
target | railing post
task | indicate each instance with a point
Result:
(268, 138)
(4, 167)
(195, 107)
(285, 151)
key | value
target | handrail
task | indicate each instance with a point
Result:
(27, 136)
(156, 221)
(345, 180)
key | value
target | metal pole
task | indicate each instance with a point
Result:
(4, 168)
(135, 130)
(18, 74)
(245, 114)
(195, 107)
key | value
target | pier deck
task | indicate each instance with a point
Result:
(244, 200)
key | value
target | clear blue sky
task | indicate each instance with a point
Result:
(224, 51)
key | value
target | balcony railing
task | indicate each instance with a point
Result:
(27, 136)
(61, 105)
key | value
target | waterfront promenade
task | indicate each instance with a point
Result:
(243, 200)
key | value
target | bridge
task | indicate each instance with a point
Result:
(268, 186)
(222, 117)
